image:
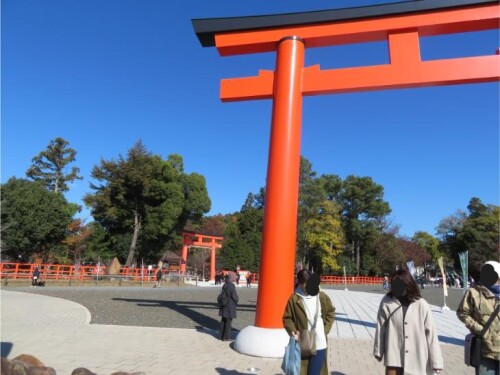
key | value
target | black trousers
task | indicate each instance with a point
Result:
(225, 328)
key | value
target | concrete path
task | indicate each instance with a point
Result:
(58, 332)
(356, 314)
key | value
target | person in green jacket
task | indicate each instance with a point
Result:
(299, 314)
(476, 307)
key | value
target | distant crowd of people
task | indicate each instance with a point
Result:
(220, 277)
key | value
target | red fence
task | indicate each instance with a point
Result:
(66, 272)
(69, 272)
(351, 280)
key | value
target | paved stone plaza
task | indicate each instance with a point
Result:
(60, 333)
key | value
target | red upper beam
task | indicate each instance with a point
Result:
(201, 240)
(478, 18)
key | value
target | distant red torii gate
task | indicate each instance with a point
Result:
(401, 25)
(193, 239)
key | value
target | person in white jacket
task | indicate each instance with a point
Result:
(406, 338)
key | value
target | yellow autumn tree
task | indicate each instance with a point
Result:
(325, 237)
(78, 232)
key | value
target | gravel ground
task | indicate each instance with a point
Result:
(182, 307)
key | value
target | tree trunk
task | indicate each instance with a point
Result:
(56, 184)
(45, 255)
(131, 252)
(358, 258)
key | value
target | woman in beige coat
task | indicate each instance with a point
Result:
(299, 314)
(406, 338)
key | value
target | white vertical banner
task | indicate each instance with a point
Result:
(445, 286)
(411, 267)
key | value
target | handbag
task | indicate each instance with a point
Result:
(307, 338)
(291, 360)
(472, 350)
(472, 345)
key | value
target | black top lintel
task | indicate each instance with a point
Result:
(207, 28)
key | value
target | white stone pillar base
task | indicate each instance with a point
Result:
(262, 342)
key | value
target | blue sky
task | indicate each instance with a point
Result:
(103, 74)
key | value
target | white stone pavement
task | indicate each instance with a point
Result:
(58, 333)
(356, 314)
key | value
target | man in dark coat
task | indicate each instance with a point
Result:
(228, 312)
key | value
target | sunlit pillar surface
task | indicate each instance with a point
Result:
(282, 187)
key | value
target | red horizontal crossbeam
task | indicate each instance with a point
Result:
(201, 240)
(405, 69)
(431, 23)
(317, 81)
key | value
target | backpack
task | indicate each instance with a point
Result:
(223, 298)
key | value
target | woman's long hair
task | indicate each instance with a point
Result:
(411, 287)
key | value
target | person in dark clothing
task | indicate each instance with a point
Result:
(35, 278)
(228, 312)
(249, 280)
(159, 278)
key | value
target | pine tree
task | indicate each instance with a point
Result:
(49, 166)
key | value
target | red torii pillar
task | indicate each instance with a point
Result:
(401, 24)
(203, 241)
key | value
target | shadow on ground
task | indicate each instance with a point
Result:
(358, 322)
(187, 308)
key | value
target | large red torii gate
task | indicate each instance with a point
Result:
(193, 239)
(401, 25)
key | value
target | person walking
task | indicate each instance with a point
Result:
(385, 284)
(227, 308)
(249, 280)
(406, 337)
(35, 277)
(159, 276)
(479, 304)
(304, 305)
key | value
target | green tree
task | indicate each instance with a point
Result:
(243, 235)
(451, 225)
(388, 254)
(477, 209)
(477, 232)
(148, 196)
(311, 198)
(447, 231)
(49, 166)
(99, 245)
(325, 238)
(429, 243)
(34, 220)
(480, 235)
(237, 252)
(250, 221)
(332, 186)
(363, 210)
